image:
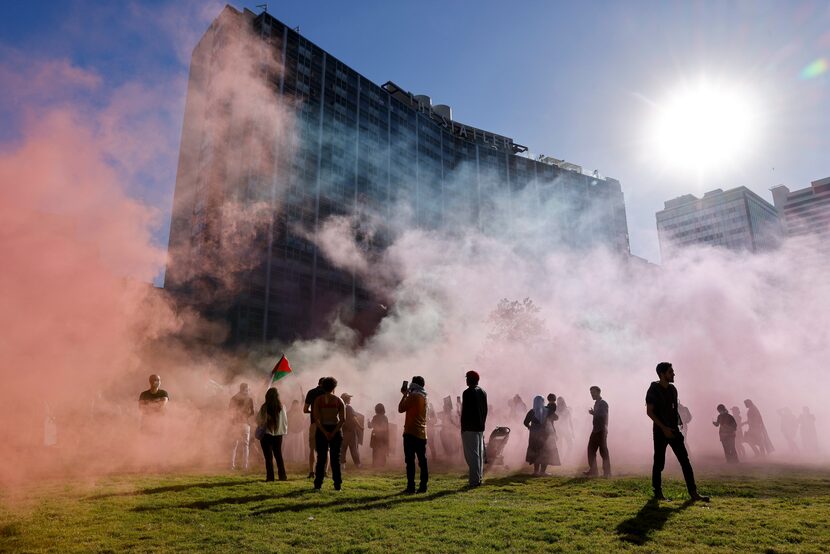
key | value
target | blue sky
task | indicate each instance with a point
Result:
(574, 80)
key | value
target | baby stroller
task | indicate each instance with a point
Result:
(495, 446)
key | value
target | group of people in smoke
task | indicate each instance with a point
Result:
(733, 437)
(336, 429)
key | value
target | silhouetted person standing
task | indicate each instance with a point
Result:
(241, 407)
(599, 435)
(414, 404)
(739, 433)
(379, 442)
(473, 418)
(727, 426)
(352, 429)
(661, 407)
(310, 397)
(807, 427)
(539, 454)
(565, 429)
(789, 427)
(756, 433)
(273, 419)
(329, 414)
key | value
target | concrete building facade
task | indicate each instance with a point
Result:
(357, 147)
(805, 214)
(737, 219)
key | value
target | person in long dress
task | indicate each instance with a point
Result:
(540, 454)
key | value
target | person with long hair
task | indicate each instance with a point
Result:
(329, 413)
(380, 436)
(273, 419)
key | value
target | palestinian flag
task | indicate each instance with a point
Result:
(280, 370)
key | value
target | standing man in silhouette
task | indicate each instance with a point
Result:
(352, 431)
(241, 408)
(727, 426)
(310, 397)
(599, 435)
(414, 404)
(661, 407)
(473, 419)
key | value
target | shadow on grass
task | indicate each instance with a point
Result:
(651, 517)
(378, 502)
(207, 504)
(525, 477)
(174, 488)
(346, 503)
(383, 504)
(510, 479)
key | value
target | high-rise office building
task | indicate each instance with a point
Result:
(737, 219)
(806, 214)
(355, 147)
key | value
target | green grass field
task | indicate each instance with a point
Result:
(786, 512)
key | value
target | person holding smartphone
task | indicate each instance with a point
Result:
(414, 404)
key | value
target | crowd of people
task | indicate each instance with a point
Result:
(336, 430)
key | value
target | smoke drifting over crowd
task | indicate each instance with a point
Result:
(83, 329)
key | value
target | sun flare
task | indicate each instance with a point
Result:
(704, 126)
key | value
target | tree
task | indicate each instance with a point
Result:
(517, 322)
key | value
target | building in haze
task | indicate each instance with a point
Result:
(737, 219)
(806, 214)
(356, 147)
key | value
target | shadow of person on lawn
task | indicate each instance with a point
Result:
(651, 517)
(175, 488)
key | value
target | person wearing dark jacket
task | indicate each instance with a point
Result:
(727, 426)
(599, 435)
(473, 418)
(661, 407)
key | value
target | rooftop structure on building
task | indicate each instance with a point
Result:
(736, 219)
(806, 215)
(357, 148)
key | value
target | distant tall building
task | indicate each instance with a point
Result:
(358, 147)
(806, 214)
(737, 219)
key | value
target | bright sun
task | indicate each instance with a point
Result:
(703, 127)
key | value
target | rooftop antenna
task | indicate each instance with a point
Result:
(264, 7)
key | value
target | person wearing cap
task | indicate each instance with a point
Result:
(352, 431)
(473, 419)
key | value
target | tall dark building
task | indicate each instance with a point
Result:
(355, 147)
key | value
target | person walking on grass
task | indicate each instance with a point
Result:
(727, 426)
(329, 413)
(756, 434)
(273, 419)
(473, 418)
(740, 439)
(414, 404)
(599, 435)
(661, 407)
